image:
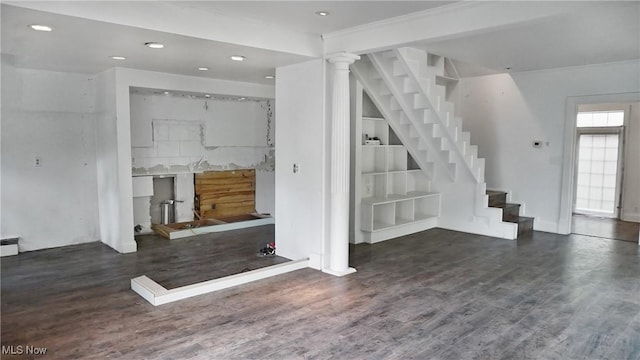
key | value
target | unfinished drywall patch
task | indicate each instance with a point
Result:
(183, 134)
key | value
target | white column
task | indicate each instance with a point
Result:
(339, 217)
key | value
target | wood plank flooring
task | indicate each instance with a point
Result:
(433, 295)
(175, 263)
(605, 228)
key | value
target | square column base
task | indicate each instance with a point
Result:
(339, 273)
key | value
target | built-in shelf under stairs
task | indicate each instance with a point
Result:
(510, 211)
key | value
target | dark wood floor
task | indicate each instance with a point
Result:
(433, 295)
(605, 228)
(174, 263)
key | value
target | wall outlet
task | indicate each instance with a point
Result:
(37, 161)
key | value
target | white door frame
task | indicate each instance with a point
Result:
(569, 158)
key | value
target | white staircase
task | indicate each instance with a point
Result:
(406, 86)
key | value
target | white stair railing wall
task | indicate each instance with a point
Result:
(403, 84)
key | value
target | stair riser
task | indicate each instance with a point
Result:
(511, 213)
(497, 199)
(525, 227)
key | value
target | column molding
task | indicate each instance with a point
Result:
(340, 165)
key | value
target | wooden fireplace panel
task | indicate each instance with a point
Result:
(221, 194)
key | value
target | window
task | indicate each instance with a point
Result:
(600, 118)
(597, 173)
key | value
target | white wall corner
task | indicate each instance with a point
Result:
(315, 261)
(547, 226)
(128, 247)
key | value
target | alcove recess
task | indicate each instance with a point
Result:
(393, 192)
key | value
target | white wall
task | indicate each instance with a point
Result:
(115, 230)
(300, 139)
(630, 210)
(506, 112)
(48, 115)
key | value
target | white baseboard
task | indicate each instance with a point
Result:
(401, 230)
(545, 226)
(8, 250)
(633, 217)
(340, 273)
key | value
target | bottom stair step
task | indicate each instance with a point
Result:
(525, 224)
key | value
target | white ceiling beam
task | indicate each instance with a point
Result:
(446, 22)
(179, 19)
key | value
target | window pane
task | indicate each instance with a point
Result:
(600, 119)
(608, 206)
(616, 118)
(596, 173)
(608, 194)
(586, 141)
(583, 179)
(582, 204)
(611, 155)
(585, 119)
(597, 167)
(582, 192)
(594, 204)
(599, 141)
(598, 154)
(609, 181)
(584, 166)
(610, 167)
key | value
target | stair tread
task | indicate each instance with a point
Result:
(521, 219)
(495, 192)
(505, 205)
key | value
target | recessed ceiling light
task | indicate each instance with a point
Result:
(166, 93)
(322, 13)
(238, 58)
(39, 27)
(154, 45)
(118, 58)
(203, 68)
(269, 77)
(207, 96)
(242, 99)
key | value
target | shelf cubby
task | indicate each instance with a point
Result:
(397, 158)
(397, 183)
(383, 216)
(374, 186)
(374, 159)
